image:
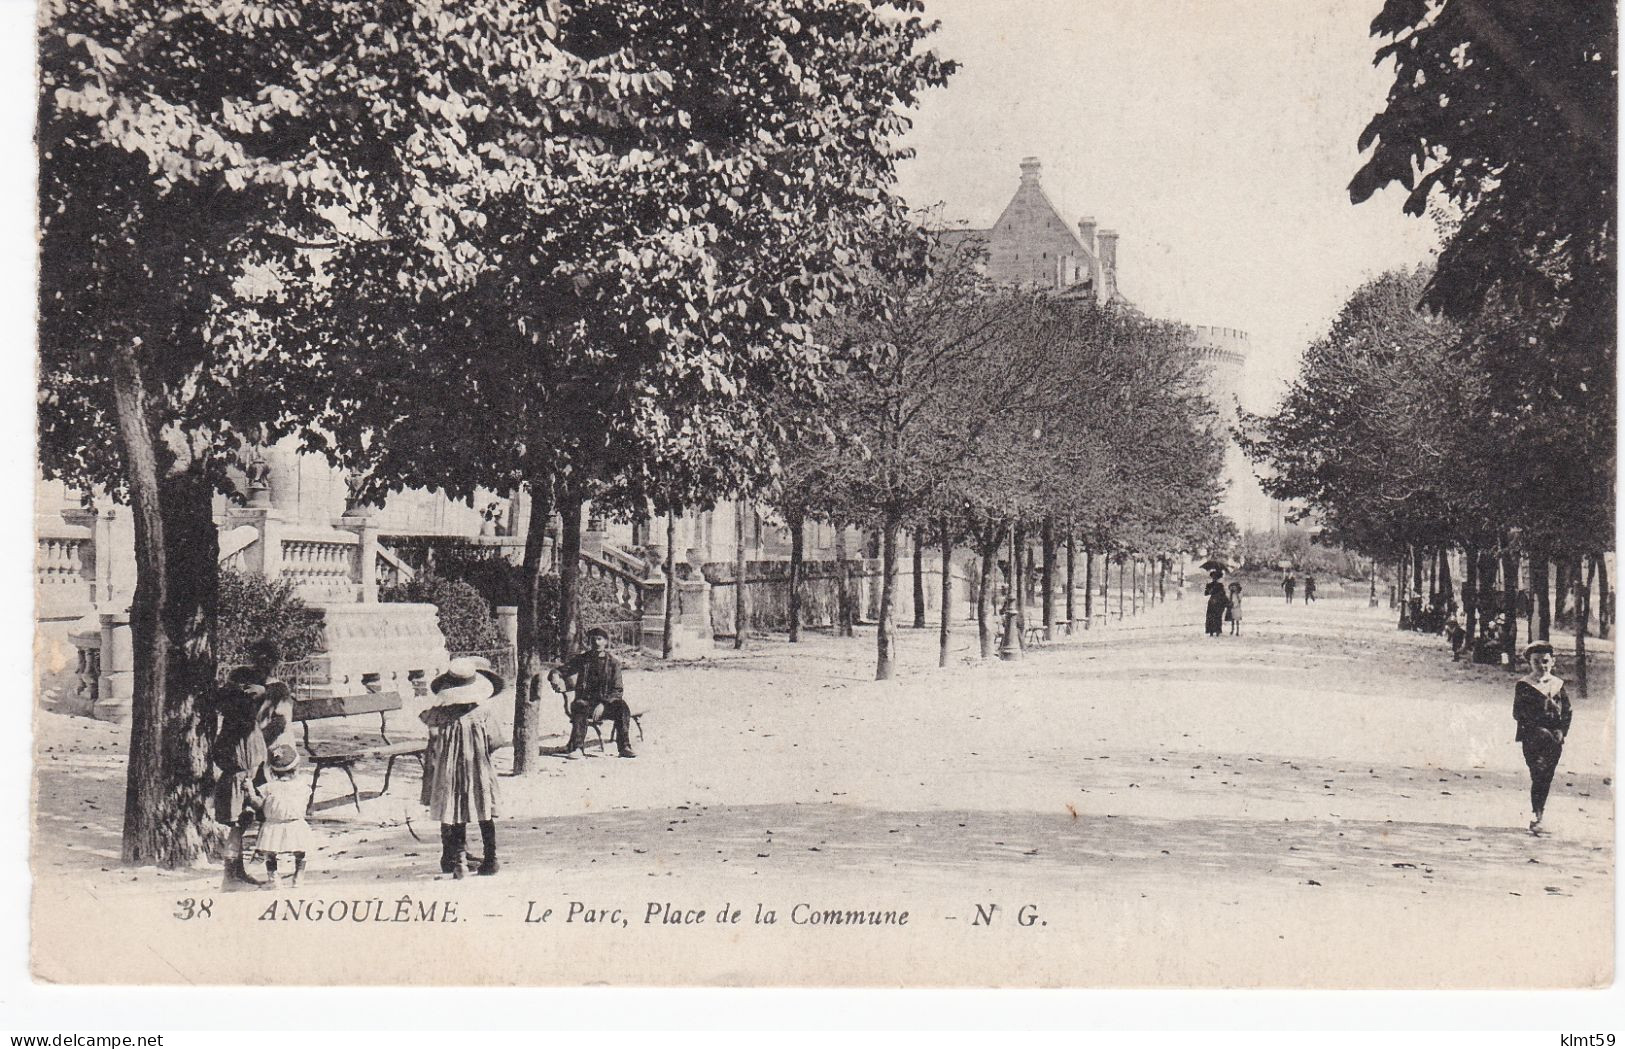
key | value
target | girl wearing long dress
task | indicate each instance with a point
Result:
(459, 781)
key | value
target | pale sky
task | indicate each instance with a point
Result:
(1217, 138)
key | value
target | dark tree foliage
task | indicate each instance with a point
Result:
(1508, 110)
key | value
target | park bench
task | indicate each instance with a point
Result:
(597, 724)
(347, 753)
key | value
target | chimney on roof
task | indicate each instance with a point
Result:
(1086, 230)
(1108, 261)
(1029, 170)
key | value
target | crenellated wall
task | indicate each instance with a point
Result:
(1224, 351)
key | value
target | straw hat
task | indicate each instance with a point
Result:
(1537, 646)
(283, 758)
(468, 679)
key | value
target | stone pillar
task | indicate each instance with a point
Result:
(116, 690)
(365, 528)
(265, 556)
(653, 628)
(691, 540)
(694, 611)
(284, 478)
(508, 623)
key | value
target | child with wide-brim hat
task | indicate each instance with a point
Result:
(459, 780)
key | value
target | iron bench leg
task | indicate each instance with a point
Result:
(316, 774)
(390, 767)
(355, 791)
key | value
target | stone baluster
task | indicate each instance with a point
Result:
(654, 615)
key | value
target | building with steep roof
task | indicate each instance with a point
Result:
(1033, 245)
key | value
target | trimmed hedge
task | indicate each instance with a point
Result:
(464, 614)
(253, 607)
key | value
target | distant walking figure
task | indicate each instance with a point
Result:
(1540, 705)
(1289, 584)
(1234, 614)
(1217, 603)
(1308, 589)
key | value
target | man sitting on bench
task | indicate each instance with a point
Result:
(595, 677)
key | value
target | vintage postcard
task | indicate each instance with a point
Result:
(804, 493)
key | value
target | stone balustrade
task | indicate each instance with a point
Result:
(65, 571)
(392, 571)
(629, 588)
(321, 566)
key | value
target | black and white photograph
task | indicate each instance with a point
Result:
(1093, 494)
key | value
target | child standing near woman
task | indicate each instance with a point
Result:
(1234, 615)
(281, 806)
(254, 710)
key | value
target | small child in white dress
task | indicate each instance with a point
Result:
(282, 816)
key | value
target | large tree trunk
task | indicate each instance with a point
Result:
(843, 586)
(192, 556)
(1121, 569)
(919, 579)
(1402, 585)
(1486, 584)
(1565, 586)
(1447, 590)
(1471, 596)
(1047, 538)
(885, 628)
(1018, 580)
(1603, 621)
(172, 621)
(1582, 614)
(533, 651)
(1071, 596)
(947, 590)
(668, 617)
(1433, 554)
(144, 783)
(740, 610)
(568, 636)
(1088, 587)
(798, 555)
(1509, 600)
(989, 536)
(1540, 581)
(1417, 556)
